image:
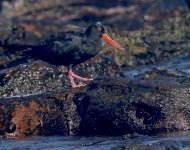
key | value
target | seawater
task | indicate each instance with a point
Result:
(177, 140)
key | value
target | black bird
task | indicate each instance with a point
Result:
(72, 48)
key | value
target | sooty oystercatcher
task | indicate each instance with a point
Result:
(72, 48)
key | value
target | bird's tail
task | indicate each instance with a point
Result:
(23, 54)
(27, 51)
(21, 50)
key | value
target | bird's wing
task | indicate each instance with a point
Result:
(64, 44)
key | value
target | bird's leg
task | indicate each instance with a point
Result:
(73, 84)
(72, 75)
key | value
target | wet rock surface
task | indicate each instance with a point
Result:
(170, 141)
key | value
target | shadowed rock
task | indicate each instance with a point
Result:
(114, 106)
(40, 114)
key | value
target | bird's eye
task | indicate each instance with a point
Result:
(99, 29)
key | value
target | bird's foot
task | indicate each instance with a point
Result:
(74, 85)
(72, 75)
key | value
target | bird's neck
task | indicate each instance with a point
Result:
(93, 44)
(93, 39)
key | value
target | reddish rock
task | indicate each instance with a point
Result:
(40, 114)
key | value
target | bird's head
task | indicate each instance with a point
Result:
(98, 30)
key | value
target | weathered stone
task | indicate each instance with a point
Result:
(38, 77)
(13, 40)
(107, 106)
(155, 102)
(39, 114)
(11, 35)
(115, 106)
(137, 13)
(163, 74)
(164, 42)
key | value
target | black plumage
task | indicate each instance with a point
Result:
(67, 48)
(71, 48)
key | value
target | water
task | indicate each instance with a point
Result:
(62, 143)
(178, 140)
(181, 64)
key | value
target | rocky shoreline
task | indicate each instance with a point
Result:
(36, 97)
(107, 106)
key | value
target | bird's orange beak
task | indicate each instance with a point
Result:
(111, 41)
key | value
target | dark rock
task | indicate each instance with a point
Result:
(137, 13)
(115, 106)
(107, 106)
(157, 101)
(11, 127)
(13, 40)
(39, 77)
(9, 35)
(40, 114)
(162, 74)
(12, 35)
(164, 42)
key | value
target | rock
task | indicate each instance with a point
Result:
(38, 77)
(157, 101)
(137, 13)
(13, 37)
(115, 106)
(107, 106)
(164, 42)
(162, 74)
(39, 114)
